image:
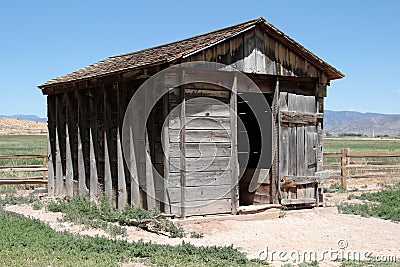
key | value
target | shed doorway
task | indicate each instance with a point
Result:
(249, 154)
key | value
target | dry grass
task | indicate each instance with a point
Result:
(19, 126)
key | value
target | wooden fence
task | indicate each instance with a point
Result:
(345, 164)
(24, 170)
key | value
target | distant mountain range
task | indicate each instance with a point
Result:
(25, 117)
(370, 124)
(335, 123)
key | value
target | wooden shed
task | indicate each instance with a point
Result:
(86, 110)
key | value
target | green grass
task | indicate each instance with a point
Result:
(371, 263)
(80, 210)
(384, 204)
(27, 242)
(361, 145)
(22, 145)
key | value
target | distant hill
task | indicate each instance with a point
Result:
(20, 126)
(25, 117)
(336, 122)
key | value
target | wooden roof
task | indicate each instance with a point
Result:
(179, 49)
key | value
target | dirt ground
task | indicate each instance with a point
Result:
(276, 236)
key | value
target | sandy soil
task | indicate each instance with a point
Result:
(19, 126)
(265, 235)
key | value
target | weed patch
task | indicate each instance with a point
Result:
(384, 204)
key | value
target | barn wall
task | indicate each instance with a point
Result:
(257, 51)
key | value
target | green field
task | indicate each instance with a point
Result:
(362, 144)
(22, 145)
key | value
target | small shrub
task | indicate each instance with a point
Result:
(80, 210)
(37, 205)
(196, 235)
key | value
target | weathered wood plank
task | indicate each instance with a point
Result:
(150, 187)
(182, 160)
(198, 136)
(59, 172)
(298, 201)
(202, 164)
(50, 172)
(69, 172)
(205, 207)
(209, 123)
(234, 162)
(212, 178)
(197, 193)
(122, 192)
(198, 109)
(135, 190)
(93, 169)
(38, 180)
(197, 150)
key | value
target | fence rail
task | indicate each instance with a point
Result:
(345, 164)
(24, 170)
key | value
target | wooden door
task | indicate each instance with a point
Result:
(299, 149)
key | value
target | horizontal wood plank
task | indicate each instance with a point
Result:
(209, 123)
(197, 193)
(197, 150)
(297, 201)
(201, 164)
(198, 136)
(219, 206)
(214, 178)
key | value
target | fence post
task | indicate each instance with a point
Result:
(345, 170)
(44, 165)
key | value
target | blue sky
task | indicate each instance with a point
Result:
(44, 39)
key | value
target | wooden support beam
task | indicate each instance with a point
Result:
(182, 143)
(345, 170)
(150, 189)
(107, 168)
(135, 190)
(93, 141)
(275, 177)
(69, 173)
(93, 169)
(108, 187)
(122, 192)
(234, 149)
(50, 172)
(59, 171)
(82, 187)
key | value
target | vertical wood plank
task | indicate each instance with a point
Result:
(50, 168)
(150, 189)
(122, 192)
(166, 148)
(234, 150)
(344, 170)
(93, 169)
(108, 188)
(82, 189)
(182, 144)
(107, 168)
(275, 177)
(135, 191)
(69, 173)
(59, 172)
